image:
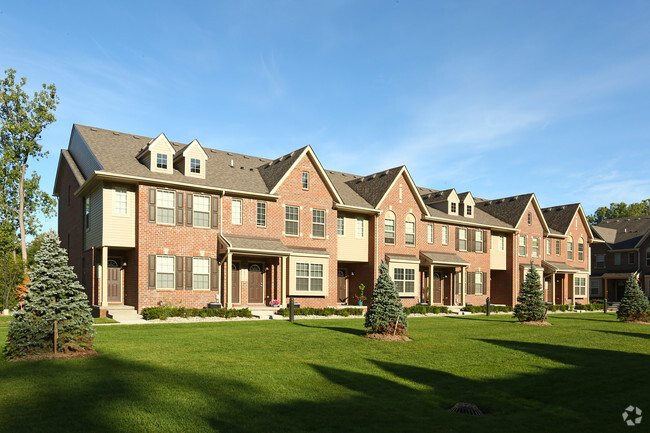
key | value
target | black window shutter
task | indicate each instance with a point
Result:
(470, 283)
(152, 271)
(486, 239)
(471, 240)
(485, 282)
(188, 273)
(179, 208)
(189, 203)
(215, 212)
(457, 238)
(214, 274)
(179, 273)
(152, 205)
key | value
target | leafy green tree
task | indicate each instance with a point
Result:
(530, 306)
(22, 121)
(385, 306)
(620, 210)
(634, 305)
(12, 266)
(55, 315)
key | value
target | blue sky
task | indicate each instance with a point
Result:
(496, 97)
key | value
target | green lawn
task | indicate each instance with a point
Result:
(321, 375)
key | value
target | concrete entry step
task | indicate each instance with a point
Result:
(124, 314)
(266, 314)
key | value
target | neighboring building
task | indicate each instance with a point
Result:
(621, 249)
(147, 221)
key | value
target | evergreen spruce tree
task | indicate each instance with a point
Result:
(55, 299)
(385, 306)
(530, 306)
(634, 305)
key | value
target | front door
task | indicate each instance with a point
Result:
(255, 284)
(437, 288)
(447, 290)
(559, 290)
(235, 284)
(114, 281)
(342, 284)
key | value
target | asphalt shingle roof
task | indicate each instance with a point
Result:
(559, 218)
(629, 231)
(507, 209)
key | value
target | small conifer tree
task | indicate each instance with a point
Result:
(385, 306)
(55, 308)
(530, 306)
(634, 305)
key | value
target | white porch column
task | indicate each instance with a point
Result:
(553, 289)
(284, 272)
(228, 303)
(104, 276)
(431, 284)
(463, 286)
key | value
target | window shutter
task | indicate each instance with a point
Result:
(457, 238)
(179, 208)
(485, 282)
(215, 212)
(189, 214)
(152, 206)
(471, 240)
(188, 273)
(179, 273)
(486, 239)
(214, 274)
(470, 283)
(152, 271)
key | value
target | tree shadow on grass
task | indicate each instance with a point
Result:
(345, 330)
(583, 316)
(626, 334)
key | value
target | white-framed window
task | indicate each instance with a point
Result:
(468, 212)
(444, 235)
(87, 212)
(318, 223)
(630, 258)
(404, 280)
(459, 283)
(305, 180)
(617, 258)
(453, 207)
(161, 161)
(261, 214)
(201, 211)
(548, 247)
(164, 272)
(569, 248)
(165, 206)
(558, 247)
(409, 231)
(462, 239)
(237, 212)
(522, 245)
(530, 218)
(389, 228)
(340, 226)
(579, 286)
(502, 243)
(600, 261)
(430, 233)
(200, 273)
(478, 241)
(535, 247)
(119, 202)
(359, 228)
(291, 222)
(195, 165)
(581, 250)
(478, 283)
(309, 277)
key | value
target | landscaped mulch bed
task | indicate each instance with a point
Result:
(535, 323)
(87, 353)
(387, 337)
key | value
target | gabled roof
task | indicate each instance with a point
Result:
(481, 218)
(66, 158)
(559, 218)
(438, 196)
(511, 209)
(183, 150)
(373, 188)
(629, 232)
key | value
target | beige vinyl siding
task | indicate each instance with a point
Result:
(93, 236)
(196, 153)
(82, 155)
(119, 230)
(407, 264)
(295, 259)
(498, 259)
(351, 248)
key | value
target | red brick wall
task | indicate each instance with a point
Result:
(71, 228)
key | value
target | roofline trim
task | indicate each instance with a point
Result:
(470, 224)
(364, 210)
(412, 186)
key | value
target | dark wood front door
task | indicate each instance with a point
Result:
(342, 283)
(255, 284)
(437, 288)
(559, 292)
(114, 281)
(236, 299)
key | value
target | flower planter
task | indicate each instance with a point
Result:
(361, 303)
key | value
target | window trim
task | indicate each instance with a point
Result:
(549, 247)
(162, 161)
(305, 180)
(430, 233)
(173, 272)
(617, 259)
(340, 225)
(479, 285)
(569, 248)
(194, 267)
(558, 247)
(535, 251)
(292, 221)
(581, 250)
(87, 213)
(409, 234)
(530, 218)
(159, 193)
(240, 221)
(389, 217)
(310, 278)
(631, 258)
(404, 280)
(577, 286)
(523, 243)
(597, 262)
(444, 237)
(453, 207)
(357, 226)
(462, 247)
(195, 164)
(121, 192)
(260, 206)
(315, 224)
(478, 244)
(195, 212)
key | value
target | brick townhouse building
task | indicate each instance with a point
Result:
(149, 221)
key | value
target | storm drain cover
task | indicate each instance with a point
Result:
(466, 408)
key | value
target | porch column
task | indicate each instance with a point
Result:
(283, 280)
(553, 289)
(605, 289)
(431, 284)
(219, 280)
(573, 289)
(463, 286)
(228, 303)
(104, 276)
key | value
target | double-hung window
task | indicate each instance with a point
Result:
(318, 223)
(261, 214)
(478, 283)
(462, 239)
(581, 250)
(600, 261)
(409, 232)
(404, 280)
(291, 220)
(558, 247)
(389, 228)
(165, 207)
(478, 241)
(164, 272)
(445, 235)
(535, 247)
(200, 273)
(161, 161)
(237, 213)
(430, 233)
(309, 277)
(569, 248)
(522, 245)
(201, 211)
(502, 243)
(579, 286)
(360, 228)
(630, 258)
(548, 247)
(340, 226)
(120, 201)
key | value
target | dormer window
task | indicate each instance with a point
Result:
(161, 161)
(195, 165)
(453, 208)
(469, 210)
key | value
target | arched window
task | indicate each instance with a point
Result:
(389, 228)
(581, 250)
(569, 248)
(409, 232)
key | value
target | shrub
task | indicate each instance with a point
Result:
(530, 305)
(634, 305)
(162, 313)
(329, 311)
(594, 306)
(424, 309)
(483, 308)
(385, 306)
(559, 307)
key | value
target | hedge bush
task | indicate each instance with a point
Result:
(329, 311)
(559, 307)
(493, 309)
(162, 313)
(595, 306)
(424, 309)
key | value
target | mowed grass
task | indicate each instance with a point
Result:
(323, 376)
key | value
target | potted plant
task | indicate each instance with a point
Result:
(274, 303)
(361, 298)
